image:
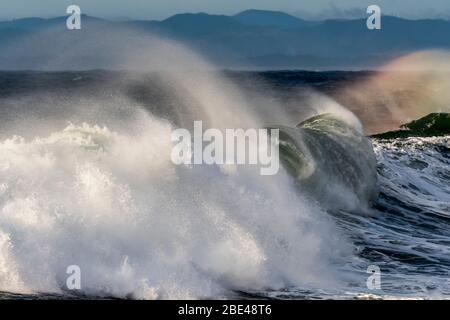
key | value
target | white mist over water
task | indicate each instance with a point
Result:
(108, 198)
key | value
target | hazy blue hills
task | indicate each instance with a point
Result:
(277, 19)
(201, 24)
(269, 39)
(40, 23)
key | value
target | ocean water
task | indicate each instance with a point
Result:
(86, 179)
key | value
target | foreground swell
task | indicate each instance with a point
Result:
(409, 237)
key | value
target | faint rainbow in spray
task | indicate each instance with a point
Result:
(402, 90)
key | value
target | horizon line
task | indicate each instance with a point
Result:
(127, 19)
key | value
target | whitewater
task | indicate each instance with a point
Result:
(138, 225)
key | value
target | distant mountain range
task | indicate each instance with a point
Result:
(270, 39)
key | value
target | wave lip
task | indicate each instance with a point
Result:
(332, 160)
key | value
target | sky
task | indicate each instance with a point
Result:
(161, 9)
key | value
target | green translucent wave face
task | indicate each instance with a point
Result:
(331, 160)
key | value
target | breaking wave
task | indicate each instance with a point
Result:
(114, 204)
